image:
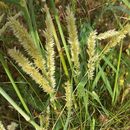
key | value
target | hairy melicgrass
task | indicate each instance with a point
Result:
(78, 106)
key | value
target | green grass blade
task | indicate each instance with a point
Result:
(5, 66)
(98, 75)
(106, 81)
(28, 83)
(92, 126)
(96, 97)
(116, 89)
(127, 3)
(27, 118)
(33, 20)
(61, 32)
(81, 85)
(109, 63)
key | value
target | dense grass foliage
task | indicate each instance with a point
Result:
(64, 65)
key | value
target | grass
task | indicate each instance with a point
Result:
(69, 71)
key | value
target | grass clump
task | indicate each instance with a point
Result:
(80, 85)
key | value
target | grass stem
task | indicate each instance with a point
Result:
(27, 118)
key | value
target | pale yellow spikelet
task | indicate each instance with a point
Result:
(50, 52)
(117, 39)
(26, 41)
(125, 94)
(92, 54)
(91, 66)
(4, 27)
(45, 119)
(3, 6)
(2, 30)
(73, 38)
(1, 17)
(126, 29)
(68, 92)
(2, 126)
(108, 34)
(12, 126)
(28, 67)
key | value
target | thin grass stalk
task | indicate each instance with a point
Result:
(25, 116)
(58, 118)
(68, 90)
(61, 32)
(116, 89)
(86, 103)
(23, 5)
(33, 20)
(82, 93)
(47, 118)
(68, 120)
(93, 123)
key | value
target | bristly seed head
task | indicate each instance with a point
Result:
(92, 54)
(73, 39)
(28, 67)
